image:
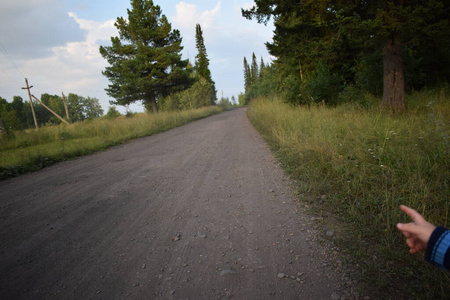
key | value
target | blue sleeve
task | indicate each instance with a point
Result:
(438, 248)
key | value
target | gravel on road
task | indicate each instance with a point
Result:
(199, 212)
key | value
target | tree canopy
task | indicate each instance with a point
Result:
(145, 60)
(16, 115)
(353, 38)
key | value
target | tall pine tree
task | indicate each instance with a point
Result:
(145, 60)
(247, 76)
(201, 59)
(254, 69)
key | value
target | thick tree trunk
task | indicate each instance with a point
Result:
(394, 80)
(154, 106)
(151, 100)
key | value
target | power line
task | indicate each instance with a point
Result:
(5, 52)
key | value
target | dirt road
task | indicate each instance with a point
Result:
(199, 212)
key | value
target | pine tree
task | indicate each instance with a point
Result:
(247, 76)
(254, 69)
(262, 67)
(338, 32)
(145, 60)
(202, 61)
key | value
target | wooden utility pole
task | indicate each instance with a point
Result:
(31, 102)
(65, 106)
(50, 110)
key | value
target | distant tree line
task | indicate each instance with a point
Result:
(338, 50)
(17, 115)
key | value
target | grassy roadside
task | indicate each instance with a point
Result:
(32, 150)
(367, 163)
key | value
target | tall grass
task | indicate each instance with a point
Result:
(367, 163)
(32, 149)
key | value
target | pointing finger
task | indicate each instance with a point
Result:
(414, 215)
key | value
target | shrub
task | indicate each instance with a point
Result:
(321, 85)
(112, 113)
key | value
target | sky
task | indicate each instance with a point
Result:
(54, 43)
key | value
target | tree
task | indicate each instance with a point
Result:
(337, 32)
(254, 69)
(201, 59)
(2, 127)
(396, 27)
(9, 118)
(200, 94)
(92, 108)
(56, 104)
(112, 113)
(262, 68)
(202, 62)
(75, 105)
(18, 106)
(247, 76)
(145, 60)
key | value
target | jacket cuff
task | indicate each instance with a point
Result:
(435, 252)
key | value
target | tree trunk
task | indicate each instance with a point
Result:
(394, 80)
(154, 106)
(151, 100)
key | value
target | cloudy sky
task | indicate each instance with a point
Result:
(54, 43)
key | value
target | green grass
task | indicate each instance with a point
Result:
(30, 150)
(367, 163)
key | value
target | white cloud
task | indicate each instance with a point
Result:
(188, 15)
(30, 28)
(228, 38)
(74, 67)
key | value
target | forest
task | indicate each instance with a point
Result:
(343, 51)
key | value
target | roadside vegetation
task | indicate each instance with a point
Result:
(355, 105)
(366, 163)
(30, 150)
(182, 92)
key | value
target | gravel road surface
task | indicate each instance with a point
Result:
(199, 212)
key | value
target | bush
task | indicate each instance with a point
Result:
(369, 73)
(357, 96)
(201, 94)
(112, 113)
(321, 85)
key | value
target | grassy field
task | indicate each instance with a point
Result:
(357, 166)
(30, 150)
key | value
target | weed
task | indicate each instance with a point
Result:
(368, 162)
(30, 150)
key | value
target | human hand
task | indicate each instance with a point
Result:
(417, 233)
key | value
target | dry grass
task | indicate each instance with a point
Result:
(367, 163)
(32, 149)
